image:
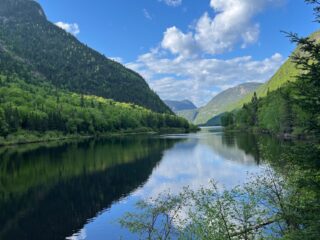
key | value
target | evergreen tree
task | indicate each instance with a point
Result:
(254, 104)
(308, 82)
(4, 130)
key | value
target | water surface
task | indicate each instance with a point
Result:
(78, 190)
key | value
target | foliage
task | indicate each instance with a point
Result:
(308, 83)
(227, 119)
(30, 107)
(276, 113)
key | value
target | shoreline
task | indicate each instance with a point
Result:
(36, 137)
(280, 136)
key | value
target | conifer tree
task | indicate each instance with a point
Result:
(307, 60)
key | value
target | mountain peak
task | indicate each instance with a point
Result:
(21, 10)
(220, 102)
(180, 105)
(63, 61)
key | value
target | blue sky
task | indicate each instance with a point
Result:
(188, 49)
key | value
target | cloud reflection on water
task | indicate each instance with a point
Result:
(202, 157)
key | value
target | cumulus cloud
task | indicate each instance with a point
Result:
(199, 79)
(231, 24)
(172, 3)
(178, 42)
(72, 28)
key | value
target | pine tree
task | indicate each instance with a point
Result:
(307, 60)
(254, 104)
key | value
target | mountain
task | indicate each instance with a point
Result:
(176, 106)
(287, 73)
(221, 101)
(54, 87)
(288, 104)
(190, 114)
(52, 55)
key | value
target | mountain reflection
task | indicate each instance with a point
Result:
(50, 191)
(205, 156)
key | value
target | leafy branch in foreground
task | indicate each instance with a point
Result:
(268, 207)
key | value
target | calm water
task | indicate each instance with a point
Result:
(78, 190)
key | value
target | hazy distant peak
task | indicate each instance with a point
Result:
(220, 102)
(180, 105)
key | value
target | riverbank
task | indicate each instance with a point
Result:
(282, 136)
(26, 137)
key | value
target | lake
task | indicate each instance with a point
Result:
(78, 189)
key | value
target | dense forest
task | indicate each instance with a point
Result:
(59, 58)
(27, 107)
(292, 109)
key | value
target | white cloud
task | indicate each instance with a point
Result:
(178, 42)
(172, 3)
(199, 79)
(146, 14)
(72, 28)
(232, 24)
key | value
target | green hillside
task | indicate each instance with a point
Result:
(288, 104)
(220, 102)
(29, 112)
(288, 72)
(59, 58)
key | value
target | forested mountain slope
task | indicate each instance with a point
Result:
(288, 105)
(286, 73)
(57, 57)
(31, 112)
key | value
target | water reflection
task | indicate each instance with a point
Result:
(78, 190)
(204, 156)
(48, 192)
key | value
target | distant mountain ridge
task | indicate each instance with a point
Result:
(176, 106)
(29, 40)
(220, 102)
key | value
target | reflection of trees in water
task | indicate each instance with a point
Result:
(260, 147)
(48, 192)
(249, 144)
(237, 147)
